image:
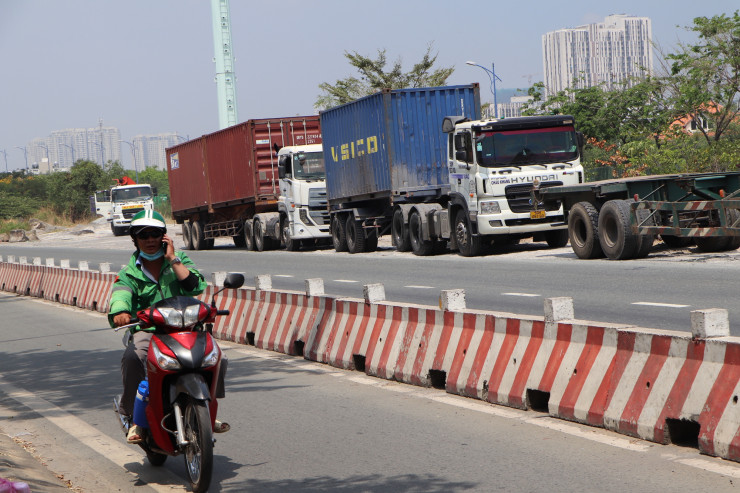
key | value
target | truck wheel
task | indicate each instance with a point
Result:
(644, 242)
(196, 233)
(355, 236)
(187, 236)
(467, 244)
(117, 231)
(400, 234)
(712, 243)
(338, 235)
(732, 216)
(371, 242)
(676, 241)
(583, 231)
(248, 236)
(418, 245)
(290, 244)
(615, 231)
(262, 242)
(557, 238)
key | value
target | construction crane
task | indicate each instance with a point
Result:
(224, 59)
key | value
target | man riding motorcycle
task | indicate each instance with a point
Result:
(154, 272)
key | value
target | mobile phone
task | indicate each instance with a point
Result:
(164, 246)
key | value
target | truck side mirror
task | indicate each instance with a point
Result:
(154, 191)
(281, 171)
(579, 139)
(461, 155)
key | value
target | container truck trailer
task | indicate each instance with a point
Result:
(619, 219)
(398, 163)
(260, 182)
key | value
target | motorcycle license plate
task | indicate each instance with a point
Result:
(537, 214)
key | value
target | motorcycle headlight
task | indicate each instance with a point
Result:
(191, 315)
(163, 361)
(212, 357)
(490, 207)
(171, 316)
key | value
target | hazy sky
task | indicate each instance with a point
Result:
(146, 66)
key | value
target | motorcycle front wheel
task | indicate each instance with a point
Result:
(199, 452)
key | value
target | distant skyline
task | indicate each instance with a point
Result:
(146, 67)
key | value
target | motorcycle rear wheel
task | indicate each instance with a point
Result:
(155, 459)
(199, 454)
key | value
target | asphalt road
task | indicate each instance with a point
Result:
(657, 292)
(305, 427)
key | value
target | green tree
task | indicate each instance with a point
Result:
(704, 78)
(156, 178)
(374, 77)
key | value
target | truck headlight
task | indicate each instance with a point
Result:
(490, 207)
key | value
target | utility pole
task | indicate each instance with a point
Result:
(224, 59)
(5, 154)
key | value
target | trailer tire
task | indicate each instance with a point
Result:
(338, 235)
(710, 244)
(557, 238)
(196, 234)
(187, 236)
(355, 236)
(420, 247)
(672, 241)
(644, 242)
(615, 231)
(371, 242)
(468, 245)
(400, 234)
(583, 231)
(290, 244)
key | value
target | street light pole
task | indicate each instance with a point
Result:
(492, 76)
(5, 154)
(48, 160)
(25, 155)
(72, 149)
(133, 153)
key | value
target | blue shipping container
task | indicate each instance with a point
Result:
(391, 143)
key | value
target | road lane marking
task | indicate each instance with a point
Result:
(115, 451)
(419, 287)
(283, 275)
(345, 280)
(665, 305)
(526, 295)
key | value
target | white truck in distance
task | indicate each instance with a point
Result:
(125, 202)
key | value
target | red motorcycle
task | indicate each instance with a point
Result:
(183, 365)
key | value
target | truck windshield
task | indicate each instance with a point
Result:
(133, 193)
(529, 146)
(308, 166)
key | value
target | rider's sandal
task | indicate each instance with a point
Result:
(134, 435)
(221, 427)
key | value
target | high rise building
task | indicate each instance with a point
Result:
(64, 147)
(607, 53)
(149, 150)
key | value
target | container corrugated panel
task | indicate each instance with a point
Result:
(391, 143)
(186, 173)
(236, 164)
(294, 131)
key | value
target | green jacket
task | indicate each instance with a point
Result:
(133, 290)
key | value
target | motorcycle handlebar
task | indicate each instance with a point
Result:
(222, 312)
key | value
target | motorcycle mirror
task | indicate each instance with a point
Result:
(234, 280)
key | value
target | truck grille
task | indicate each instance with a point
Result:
(518, 196)
(317, 206)
(129, 213)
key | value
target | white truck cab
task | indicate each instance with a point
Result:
(125, 202)
(302, 207)
(493, 166)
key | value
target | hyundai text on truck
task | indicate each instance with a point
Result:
(260, 182)
(421, 165)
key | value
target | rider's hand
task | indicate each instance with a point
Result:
(122, 319)
(169, 252)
